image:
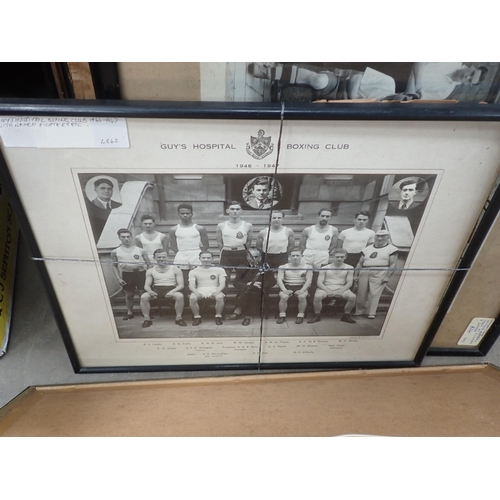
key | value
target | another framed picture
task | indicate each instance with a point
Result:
(192, 236)
(470, 309)
(307, 81)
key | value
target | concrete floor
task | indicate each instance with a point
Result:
(36, 354)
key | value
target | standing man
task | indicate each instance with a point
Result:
(187, 239)
(294, 279)
(130, 264)
(234, 237)
(375, 268)
(207, 282)
(335, 281)
(316, 243)
(354, 239)
(262, 192)
(163, 282)
(275, 243)
(100, 207)
(150, 239)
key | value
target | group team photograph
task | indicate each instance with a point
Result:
(241, 255)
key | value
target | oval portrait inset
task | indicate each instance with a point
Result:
(262, 192)
(103, 192)
(408, 193)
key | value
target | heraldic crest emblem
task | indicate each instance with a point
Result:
(259, 147)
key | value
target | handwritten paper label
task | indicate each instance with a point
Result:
(475, 331)
(63, 132)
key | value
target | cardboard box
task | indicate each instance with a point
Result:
(444, 401)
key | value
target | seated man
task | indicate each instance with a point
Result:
(163, 281)
(250, 287)
(335, 281)
(294, 279)
(206, 282)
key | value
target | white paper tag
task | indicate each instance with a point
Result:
(63, 132)
(476, 331)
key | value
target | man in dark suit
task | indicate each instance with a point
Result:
(100, 207)
(408, 189)
(406, 204)
(262, 194)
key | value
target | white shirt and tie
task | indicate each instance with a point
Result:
(105, 204)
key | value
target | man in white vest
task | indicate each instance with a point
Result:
(234, 238)
(335, 281)
(294, 280)
(354, 239)
(130, 265)
(207, 282)
(150, 239)
(186, 240)
(275, 243)
(163, 281)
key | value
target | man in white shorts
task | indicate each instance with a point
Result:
(187, 239)
(335, 281)
(294, 280)
(163, 282)
(375, 268)
(316, 243)
(150, 239)
(354, 239)
(130, 265)
(206, 282)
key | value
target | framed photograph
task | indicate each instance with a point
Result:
(306, 81)
(470, 309)
(374, 81)
(192, 236)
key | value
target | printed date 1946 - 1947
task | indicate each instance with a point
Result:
(249, 165)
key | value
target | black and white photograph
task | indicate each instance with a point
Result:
(205, 254)
(193, 258)
(102, 195)
(262, 192)
(397, 81)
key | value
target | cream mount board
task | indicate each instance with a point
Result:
(310, 160)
